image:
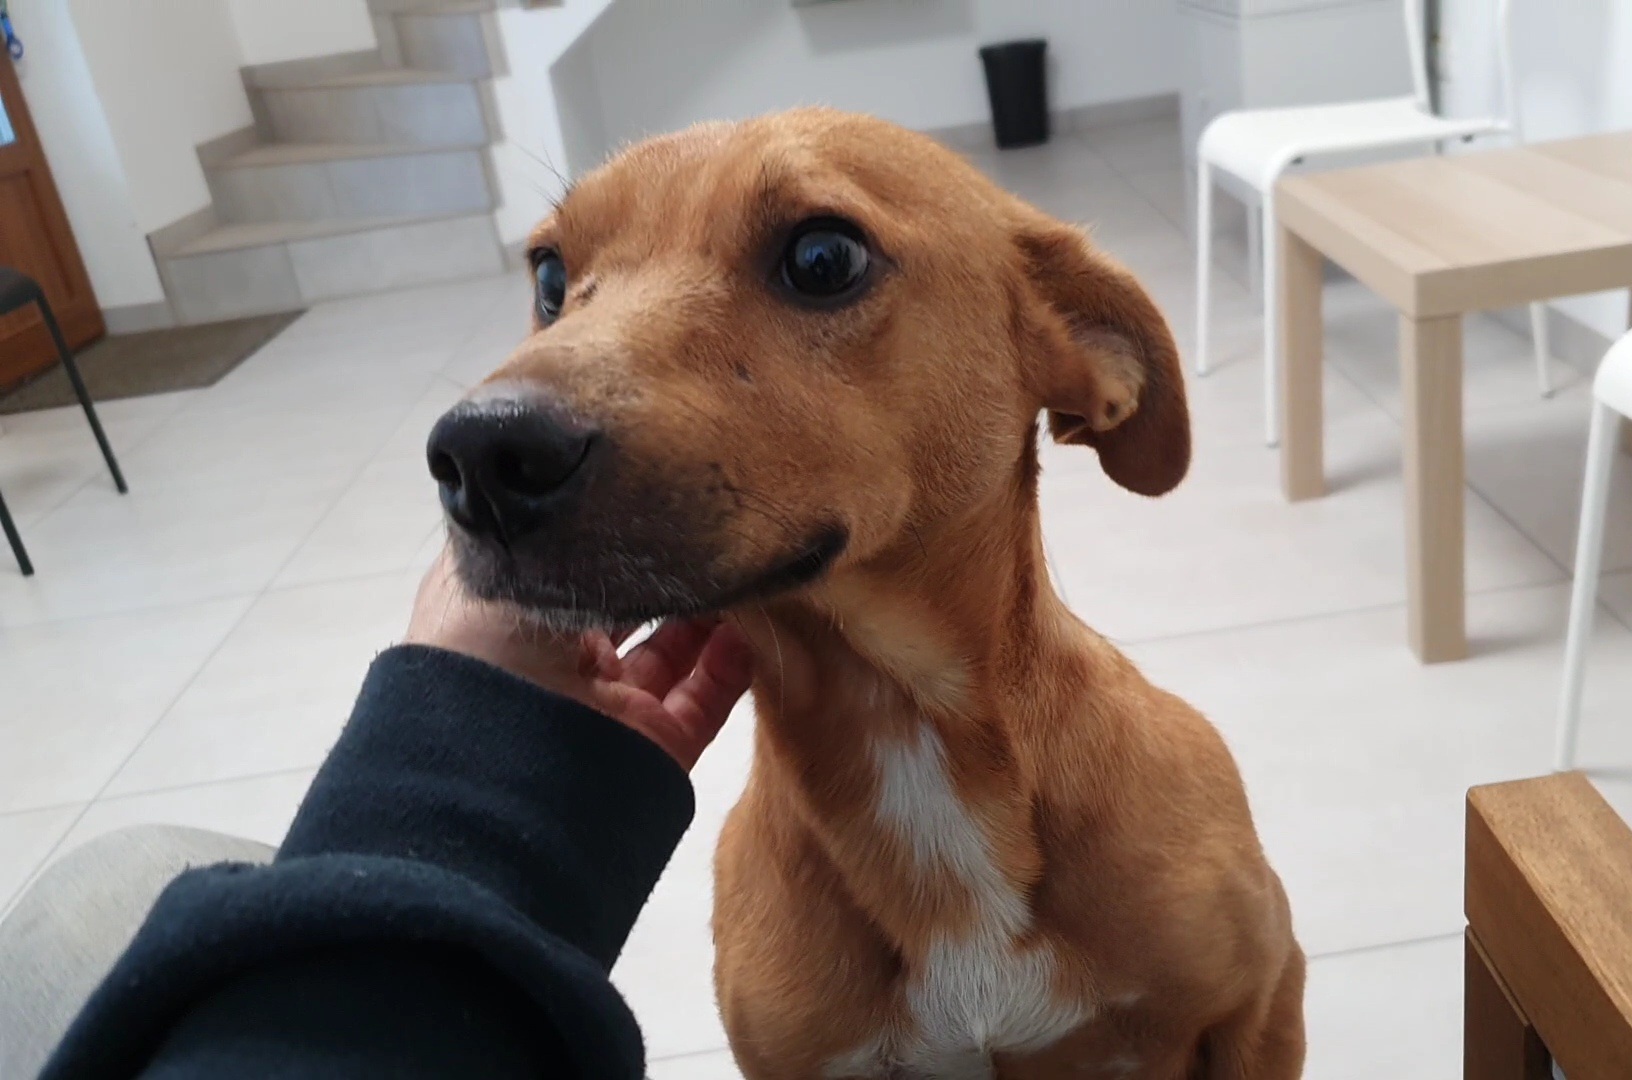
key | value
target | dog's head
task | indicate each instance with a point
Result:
(765, 351)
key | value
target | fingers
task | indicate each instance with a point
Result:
(662, 660)
(702, 701)
(598, 658)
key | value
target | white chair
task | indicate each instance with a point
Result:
(1612, 401)
(1255, 146)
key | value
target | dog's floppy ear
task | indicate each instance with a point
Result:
(1102, 359)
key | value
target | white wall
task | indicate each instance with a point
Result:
(531, 162)
(166, 72)
(85, 162)
(662, 65)
(1574, 59)
(273, 30)
(584, 137)
(645, 66)
(123, 91)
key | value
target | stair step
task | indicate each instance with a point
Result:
(246, 269)
(403, 76)
(294, 153)
(393, 106)
(295, 182)
(454, 7)
(462, 39)
(265, 233)
(430, 7)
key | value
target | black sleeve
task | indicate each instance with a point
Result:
(448, 902)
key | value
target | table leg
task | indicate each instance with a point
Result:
(1302, 340)
(1498, 1042)
(1431, 373)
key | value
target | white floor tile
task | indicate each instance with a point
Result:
(1168, 191)
(1530, 461)
(1051, 175)
(256, 808)
(666, 971)
(383, 520)
(79, 696)
(1394, 1012)
(46, 456)
(1498, 370)
(718, 1065)
(507, 325)
(320, 443)
(102, 553)
(1227, 406)
(1357, 758)
(277, 692)
(1617, 593)
(25, 841)
(1139, 147)
(1226, 549)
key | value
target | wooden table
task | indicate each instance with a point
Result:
(1548, 969)
(1439, 237)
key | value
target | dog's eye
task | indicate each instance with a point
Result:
(825, 260)
(551, 274)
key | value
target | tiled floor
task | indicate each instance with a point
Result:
(187, 653)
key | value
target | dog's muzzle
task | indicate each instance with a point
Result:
(508, 468)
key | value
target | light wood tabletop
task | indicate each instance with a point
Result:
(1440, 237)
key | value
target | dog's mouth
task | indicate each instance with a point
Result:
(620, 588)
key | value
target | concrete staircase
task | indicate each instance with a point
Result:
(364, 172)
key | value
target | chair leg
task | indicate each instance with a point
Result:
(1204, 263)
(84, 395)
(1272, 319)
(1544, 349)
(15, 539)
(1589, 552)
(1255, 251)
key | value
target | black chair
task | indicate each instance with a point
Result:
(18, 290)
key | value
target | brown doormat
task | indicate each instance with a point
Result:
(155, 362)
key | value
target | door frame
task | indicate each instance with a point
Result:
(23, 334)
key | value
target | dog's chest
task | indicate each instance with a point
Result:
(980, 991)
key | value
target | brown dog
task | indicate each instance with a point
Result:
(790, 369)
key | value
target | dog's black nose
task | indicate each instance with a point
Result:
(504, 466)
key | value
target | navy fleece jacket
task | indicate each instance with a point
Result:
(448, 902)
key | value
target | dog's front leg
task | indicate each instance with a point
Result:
(1264, 1042)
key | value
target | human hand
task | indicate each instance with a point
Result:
(677, 687)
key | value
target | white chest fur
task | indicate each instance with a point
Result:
(978, 992)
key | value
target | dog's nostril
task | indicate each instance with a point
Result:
(445, 470)
(528, 475)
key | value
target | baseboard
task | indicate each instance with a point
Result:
(1073, 121)
(139, 318)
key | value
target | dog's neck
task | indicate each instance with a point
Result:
(950, 613)
(902, 681)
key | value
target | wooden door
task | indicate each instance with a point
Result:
(36, 239)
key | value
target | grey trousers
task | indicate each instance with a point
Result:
(69, 927)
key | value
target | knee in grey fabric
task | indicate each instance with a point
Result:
(69, 927)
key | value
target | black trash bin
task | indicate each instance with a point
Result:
(1016, 83)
